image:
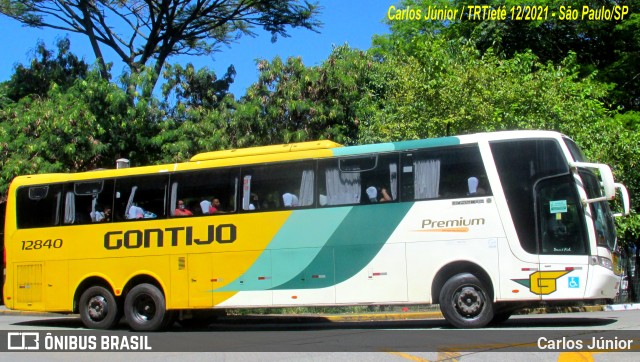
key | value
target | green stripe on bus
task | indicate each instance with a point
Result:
(294, 246)
(355, 242)
(396, 146)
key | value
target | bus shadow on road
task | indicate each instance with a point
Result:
(287, 323)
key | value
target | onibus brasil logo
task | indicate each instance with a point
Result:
(542, 282)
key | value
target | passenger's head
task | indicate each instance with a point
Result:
(372, 193)
(473, 184)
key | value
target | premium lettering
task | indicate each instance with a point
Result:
(432, 224)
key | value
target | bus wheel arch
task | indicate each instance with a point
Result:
(145, 305)
(465, 294)
(97, 305)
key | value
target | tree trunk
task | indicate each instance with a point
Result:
(88, 24)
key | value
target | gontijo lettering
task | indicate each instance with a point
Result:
(174, 236)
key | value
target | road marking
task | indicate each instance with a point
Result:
(442, 356)
(408, 356)
(575, 357)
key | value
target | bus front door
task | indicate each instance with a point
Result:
(563, 241)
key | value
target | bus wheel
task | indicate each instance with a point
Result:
(145, 308)
(99, 309)
(465, 303)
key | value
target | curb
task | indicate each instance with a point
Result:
(616, 307)
(5, 311)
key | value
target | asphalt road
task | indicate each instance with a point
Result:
(523, 338)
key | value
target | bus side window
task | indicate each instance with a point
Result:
(200, 190)
(39, 206)
(380, 181)
(86, 201)
(278, 186)
(143, 197)
(444, 173)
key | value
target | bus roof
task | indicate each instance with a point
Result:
(266, 150)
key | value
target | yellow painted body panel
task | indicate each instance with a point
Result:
(52, 275)
(187, 283)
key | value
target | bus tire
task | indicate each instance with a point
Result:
(99, 308)
(145, 308)
(465, 302)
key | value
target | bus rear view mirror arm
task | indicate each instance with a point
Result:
(606, 177)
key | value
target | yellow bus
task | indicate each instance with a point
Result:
(480, 224)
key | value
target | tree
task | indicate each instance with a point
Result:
(292, 103)
(447, 87)
(610, 47)
(188, 87)
(160, 29)
(83, 127)
(45, 69)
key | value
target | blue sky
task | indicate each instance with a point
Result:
(351, 22)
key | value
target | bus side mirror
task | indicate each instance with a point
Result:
(606, 179)
(625, 200)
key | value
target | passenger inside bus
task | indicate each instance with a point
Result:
(372, 193)
(375, 194)
(215, 206)
(474, 186)
(254, 202)
(135, 212)
(290, 200)
(384, 195)
(182, 210)
(205, 206)
(99, 215)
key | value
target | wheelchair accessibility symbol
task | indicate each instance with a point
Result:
(574, 282)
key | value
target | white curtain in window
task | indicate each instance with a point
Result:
(246, 193)
(70, 208)
(94, 202)
(393, 180)
(306, 188)
(174, 199)
(130, 201)
(342, 187)
(426, 178)
(232, 205)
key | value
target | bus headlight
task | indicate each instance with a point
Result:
(602, 261)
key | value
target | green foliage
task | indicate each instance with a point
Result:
(188, 87)
(292, 103)
(609, 47)
(193, 130)
(85, 124)
(448, 87)
(46, 69)
(53, 135)
(616, 142)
